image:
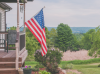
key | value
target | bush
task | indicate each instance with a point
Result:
(35, 69)
(67, 66)
(64, 66)
(99, 65)
(50, 60)
(44, 72)
(39, 66)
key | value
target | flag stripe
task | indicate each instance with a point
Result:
(38, 27)
(37, 24)
(37, 33)
(33, 32)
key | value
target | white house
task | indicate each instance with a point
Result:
(3, 9)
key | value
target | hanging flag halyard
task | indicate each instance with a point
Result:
(36, 26)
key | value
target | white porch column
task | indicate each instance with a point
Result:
(17, 44)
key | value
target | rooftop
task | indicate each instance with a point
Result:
(5, 6)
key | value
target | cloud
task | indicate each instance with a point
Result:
(75, 13)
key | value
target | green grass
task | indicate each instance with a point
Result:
(31, 63)
(87, 69)
(95, 60)
(83, 68)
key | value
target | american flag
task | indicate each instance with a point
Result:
(36, 26)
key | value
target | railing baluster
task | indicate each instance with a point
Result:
(2, 39)
(22, 41)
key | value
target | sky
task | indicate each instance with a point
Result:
(75, 13)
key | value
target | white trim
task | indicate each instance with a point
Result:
(20, 52)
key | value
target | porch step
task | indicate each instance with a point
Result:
(9, 59)
(4, 69)
(8, 71)
(8, 62)
(9, 65)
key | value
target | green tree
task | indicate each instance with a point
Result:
(12, 28)
(65, 37)
(53, 36)
(95, 38)
(31, 44)
(48, 42)
(74, 44)
(78, 36)
(86, 42)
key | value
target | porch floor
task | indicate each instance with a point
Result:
(10, 54)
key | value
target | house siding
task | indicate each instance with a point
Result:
(2, 24)
(2, 11)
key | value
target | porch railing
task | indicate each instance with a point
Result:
(3, 39)
(22, 40)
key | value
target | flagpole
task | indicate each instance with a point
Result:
(39, 11)
(43, 7)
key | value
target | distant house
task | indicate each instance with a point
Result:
(3, 9)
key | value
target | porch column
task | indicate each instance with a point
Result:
(17, 44)
(24, 16)
(17, 15)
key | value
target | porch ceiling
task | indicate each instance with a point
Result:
(14, 1)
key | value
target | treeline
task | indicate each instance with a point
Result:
(64, 39)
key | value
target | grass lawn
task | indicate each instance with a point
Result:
(31, 63)
(83, 68)
(88, 69)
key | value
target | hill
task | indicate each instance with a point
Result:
(76, 29)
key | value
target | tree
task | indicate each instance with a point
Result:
(95, 38)
(78, 36)
(12, 28)
(86, 42)
(48, 42)
(74, 44)
(65, 37)
(53, 37)
(31, 44)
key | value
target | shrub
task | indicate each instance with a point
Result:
(64, 66)
(67, 66)
(35, 69)
(44, 72)
(39, 66)
(99, 65)
(50, 60)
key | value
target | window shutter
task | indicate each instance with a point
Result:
(0, 21)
